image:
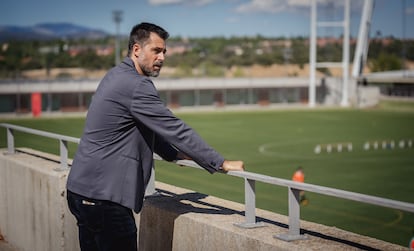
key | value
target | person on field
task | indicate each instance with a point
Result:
(299, 176)
(126, 123)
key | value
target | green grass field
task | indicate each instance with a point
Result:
(276, 142)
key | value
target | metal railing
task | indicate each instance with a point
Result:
(63, 141)
(250, 180)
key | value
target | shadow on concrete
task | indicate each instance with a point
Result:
(165, 199)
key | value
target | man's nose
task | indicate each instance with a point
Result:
(161, 56)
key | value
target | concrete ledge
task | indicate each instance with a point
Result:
(34, 216)
(181, 219)
(33, 203)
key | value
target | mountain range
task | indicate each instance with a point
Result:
(47, 31)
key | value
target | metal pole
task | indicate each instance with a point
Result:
(294, 212)
(10, 141)
(150, 190)
(250, 205)
(404, 43)
(345, 56)
(63, 144)
(250, 200)
(312, 58)
(361, 50)
(294, 217)
(117, 16)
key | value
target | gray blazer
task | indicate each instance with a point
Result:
(125, 124)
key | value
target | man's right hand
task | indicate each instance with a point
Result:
(233, 165)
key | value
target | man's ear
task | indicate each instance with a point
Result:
(136, 49)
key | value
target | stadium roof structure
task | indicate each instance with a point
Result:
(162, 84)
(400, 77)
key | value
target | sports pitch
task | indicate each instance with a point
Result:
(275, 142)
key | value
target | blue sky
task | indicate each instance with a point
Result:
(206, 18)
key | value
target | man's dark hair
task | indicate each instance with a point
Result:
(141, 32)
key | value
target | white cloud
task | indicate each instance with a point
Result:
(299, 3)
(409, 11)
(168, 2)
(232, 20)
(276, 6)
(271, 6)
(163, 2)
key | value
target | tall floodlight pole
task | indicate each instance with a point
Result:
(345, 57)
(117, 16)
(312, 57)
(404, 49)
(361, 51)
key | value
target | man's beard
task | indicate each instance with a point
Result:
(148, 71)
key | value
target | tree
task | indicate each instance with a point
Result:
(386, 62)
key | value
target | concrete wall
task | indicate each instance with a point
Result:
(34, 217)
(368, 96)
(33, 211)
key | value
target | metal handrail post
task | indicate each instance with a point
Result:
(250, 200)
(63, 146)
(294, 217)
(150, 190)
(250, 205)
(10, 141)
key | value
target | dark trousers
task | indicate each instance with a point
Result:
(103, 225)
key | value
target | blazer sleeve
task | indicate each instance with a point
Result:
(164, 149)
(148, 108)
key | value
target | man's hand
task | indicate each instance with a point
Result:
(233, 165)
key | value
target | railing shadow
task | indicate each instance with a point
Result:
(165, 200)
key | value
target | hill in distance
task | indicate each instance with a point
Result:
(47, 31)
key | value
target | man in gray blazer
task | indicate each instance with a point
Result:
(125, 124)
